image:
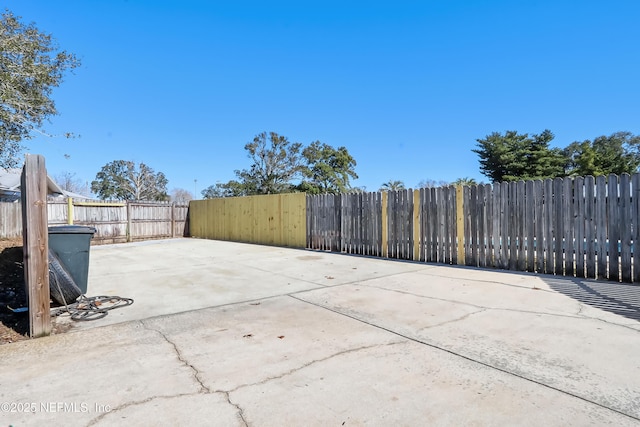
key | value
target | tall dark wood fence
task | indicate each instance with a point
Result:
(580, 227)
(407, 224)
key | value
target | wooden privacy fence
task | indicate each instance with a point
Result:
(10, 220)
(580, 227)
(408, 224)
(277, 219)
(115, 222)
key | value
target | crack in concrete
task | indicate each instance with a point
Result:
(312, 362)
(235, 405)
(181, 358)
(135, 403)
(511, 285)
(454, 320)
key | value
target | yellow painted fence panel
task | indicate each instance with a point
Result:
(276, 219)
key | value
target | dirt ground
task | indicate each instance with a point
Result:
(13, 326)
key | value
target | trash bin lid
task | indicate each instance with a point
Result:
(72, 229)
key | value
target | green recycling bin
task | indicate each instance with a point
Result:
(70, 243)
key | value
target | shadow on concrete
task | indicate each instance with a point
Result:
(618, 298)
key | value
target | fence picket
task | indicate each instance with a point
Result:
(567, 225)
(590, 226)
(601, 227)
(613, 227)
(624, 213)
(579, 215)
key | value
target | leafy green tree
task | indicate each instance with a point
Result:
(122, 180)
(232, 188)
(31, 65)
(276, 161)
(392, 185)
(515, 156)
(617, 153)
(326, 169)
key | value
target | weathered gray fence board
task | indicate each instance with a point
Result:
(578, 224)
(613, 228)
(635, 215)
(567, 225)
(558, 226)
(483, 237)
(10, 220)
(496, 210)
(625, 227)
(590, 226)
(578, 227)
(538, 198)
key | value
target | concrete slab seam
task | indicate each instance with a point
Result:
(471, 359)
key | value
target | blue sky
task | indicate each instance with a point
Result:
(406, 86)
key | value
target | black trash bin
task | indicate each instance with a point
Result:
(70, 243)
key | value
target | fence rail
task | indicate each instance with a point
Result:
(579, 227)
(114, 222)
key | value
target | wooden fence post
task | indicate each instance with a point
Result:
(460, 223)
(69, 211)
(129, 223)
(173, 220)
(35, 235)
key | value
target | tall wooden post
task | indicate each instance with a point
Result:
(173, 219)
(69, 211)
(129, 223)
(35, 237)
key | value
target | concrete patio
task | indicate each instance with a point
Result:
(233, 334)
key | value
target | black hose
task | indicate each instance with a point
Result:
(91, 308)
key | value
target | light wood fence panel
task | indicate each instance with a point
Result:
(278, 219)
(115, 222)
(10, 220)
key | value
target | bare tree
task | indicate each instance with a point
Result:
(69, 182)
(431, 183)
(181, 196)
